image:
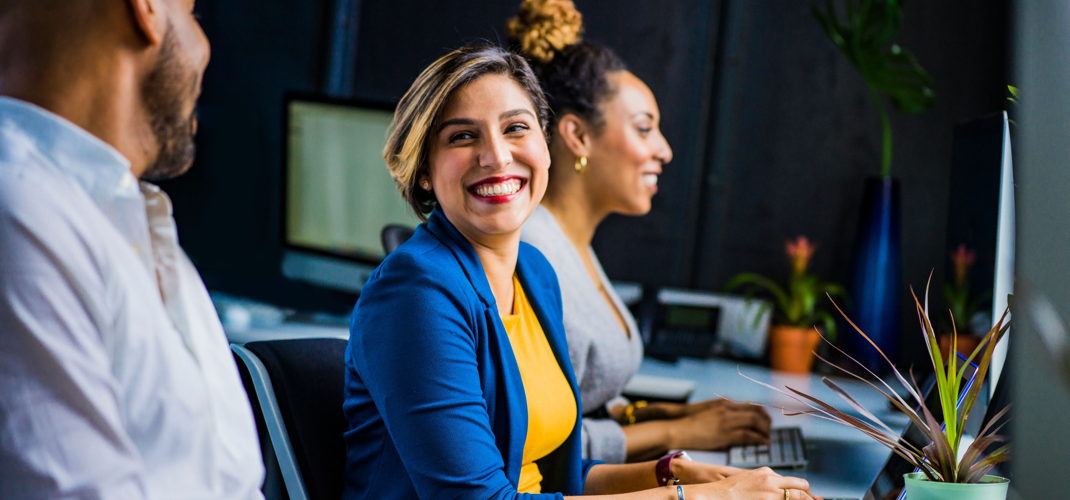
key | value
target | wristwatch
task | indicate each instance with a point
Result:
(663, 469)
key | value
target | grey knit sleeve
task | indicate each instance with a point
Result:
(603, 439)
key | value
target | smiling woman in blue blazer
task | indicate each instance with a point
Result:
(443, 399)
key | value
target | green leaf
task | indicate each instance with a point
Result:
(978, 470)
(866, 40)
(973, 454)
(856, 405)
(989, 343)
(761, 282)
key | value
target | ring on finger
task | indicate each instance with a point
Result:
(787, 494)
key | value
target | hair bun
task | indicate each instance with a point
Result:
(545, 27)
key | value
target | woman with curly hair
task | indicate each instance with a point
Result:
(458, 381)
(607, 153)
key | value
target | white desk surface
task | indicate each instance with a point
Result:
(843, 461)
(284, 331)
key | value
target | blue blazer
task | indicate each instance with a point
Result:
(433, 396)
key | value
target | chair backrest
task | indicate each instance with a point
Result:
(301, 401)
(274, 487)
(394, 235)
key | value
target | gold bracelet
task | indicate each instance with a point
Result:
(629, 411)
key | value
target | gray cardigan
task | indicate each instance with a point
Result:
(603, 356)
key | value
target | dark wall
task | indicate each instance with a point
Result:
(803, 134)
(227, 207)
(672, 47)
(773, 132)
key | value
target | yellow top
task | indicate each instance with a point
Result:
(551, 404)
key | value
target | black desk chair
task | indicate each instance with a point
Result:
(394, 235)
(296, 390)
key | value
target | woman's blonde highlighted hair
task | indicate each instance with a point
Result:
(418, 112)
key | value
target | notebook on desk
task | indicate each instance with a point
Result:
(651, 388)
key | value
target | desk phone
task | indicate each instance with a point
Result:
(677, 323)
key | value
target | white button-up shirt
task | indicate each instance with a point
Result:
(116, 380)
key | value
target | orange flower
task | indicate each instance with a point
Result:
(962, 258)
(799, 251)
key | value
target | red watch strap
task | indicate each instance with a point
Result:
(664, 468)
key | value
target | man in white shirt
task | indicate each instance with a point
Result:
(116, 380)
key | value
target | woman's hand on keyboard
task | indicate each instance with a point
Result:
(701, 406)
(758, 484)
(720, 426)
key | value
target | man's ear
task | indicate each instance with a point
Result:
(576, 134)
(149, 19)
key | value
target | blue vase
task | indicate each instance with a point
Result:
(875, 285)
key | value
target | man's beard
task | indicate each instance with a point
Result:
(163, 95)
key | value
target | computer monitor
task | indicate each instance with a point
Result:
(1001, 398)
(337, 192)
(980, 226)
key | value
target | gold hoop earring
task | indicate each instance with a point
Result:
(425, 184)
(581, 163)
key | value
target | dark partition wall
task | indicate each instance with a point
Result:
(772, 131)
(672, 46)
(800, 135)
(227, 206)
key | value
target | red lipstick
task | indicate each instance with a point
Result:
(499, 189)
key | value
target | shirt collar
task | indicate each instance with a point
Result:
(94, 164)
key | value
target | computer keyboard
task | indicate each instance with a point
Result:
(786, 448)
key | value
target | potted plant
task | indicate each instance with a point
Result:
(863, 31)
(791, 338)
(943, 475)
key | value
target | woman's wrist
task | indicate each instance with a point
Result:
(668, 410)
(641, 411)
(672, 433)
(678, 467)
(668, 437)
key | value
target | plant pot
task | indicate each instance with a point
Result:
(791, 348)
(990, 488)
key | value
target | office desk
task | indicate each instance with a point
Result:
(842, 461)
(285, 331)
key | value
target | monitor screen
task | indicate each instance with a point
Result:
(973, 219)
(339, 193)
(693, 317)
(980, 232)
